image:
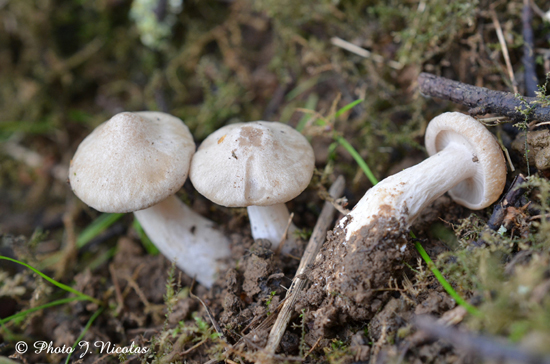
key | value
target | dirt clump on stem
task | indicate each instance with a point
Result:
(350, 280)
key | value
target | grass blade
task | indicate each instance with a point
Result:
(357, 158)
(349, 106)
(86, 328)
(147, 243)
(38, 308)
(302, 87)
(53, 281)
(102, 258)
(311, 104)
(471, 309)
(96, 227)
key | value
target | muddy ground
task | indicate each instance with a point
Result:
(65, 67)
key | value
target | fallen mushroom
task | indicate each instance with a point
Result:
(136, 162)
(259, 165)
(368, 248)
(465, 159)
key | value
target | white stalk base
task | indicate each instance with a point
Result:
(270, 222)
(185, 237)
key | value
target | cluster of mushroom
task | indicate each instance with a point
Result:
(136, 162)
(368, 247)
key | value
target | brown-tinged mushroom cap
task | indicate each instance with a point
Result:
(488, 182)
(132, 161)
(256, 163)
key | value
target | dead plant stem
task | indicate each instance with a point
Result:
(315, 242)
(505, 53)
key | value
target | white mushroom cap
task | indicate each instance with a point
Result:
(256, 163)
(488, 182)
(132, 161)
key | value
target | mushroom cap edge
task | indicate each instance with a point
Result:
(490, 177)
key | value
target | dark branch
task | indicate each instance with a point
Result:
(488, 347)
(512, 198)
(481, 100)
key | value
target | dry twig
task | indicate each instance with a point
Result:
(504, 47)
(512, 198)
(283, 238)
(298, 283)
(481, 100)
(118, 292)
(210, 316)
(339, 42)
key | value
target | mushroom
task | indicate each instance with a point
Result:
(368, 248)
(259, 165)
(136, 162)
(465, 160)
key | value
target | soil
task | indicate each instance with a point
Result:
(348, 277)
(66, 67)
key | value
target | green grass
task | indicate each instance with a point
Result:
(84, 330)
(24, 313)
(147, 243)
(97, 226)
(448, 288)
(79, 296)
(338, 138)
(64, 287)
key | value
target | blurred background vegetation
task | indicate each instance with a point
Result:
(67, 66)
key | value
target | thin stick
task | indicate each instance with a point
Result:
(539, 11)
(339, 42)
(193, 347)
(313, 347)
(132, 283)
(505, 150)
(512, 198)
(70, 250)
(512, 168)
(496, 119)
(283, 238)
(315, 242)
(504, 47)
(538, 217)
(118, 292)
(210, 316)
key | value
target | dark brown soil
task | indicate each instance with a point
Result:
(351, 280)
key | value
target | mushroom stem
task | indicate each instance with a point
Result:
(186, 237)
(270, 222)
(405, 194)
